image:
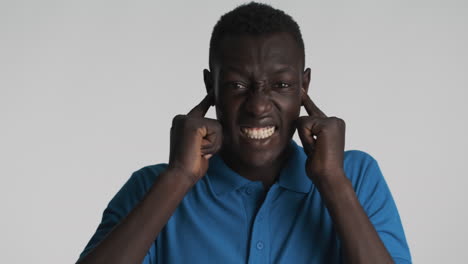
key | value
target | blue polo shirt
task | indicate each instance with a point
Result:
(226, 218)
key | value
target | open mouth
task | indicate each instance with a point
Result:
(258, 132)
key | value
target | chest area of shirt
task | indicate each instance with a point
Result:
(249, 226)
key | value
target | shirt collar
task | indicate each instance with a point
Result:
(222, 178)
(292, 176)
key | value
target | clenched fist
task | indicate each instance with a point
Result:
(194, 139)
(323, 139)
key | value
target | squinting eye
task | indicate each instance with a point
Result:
(239, 86)
(282, 85)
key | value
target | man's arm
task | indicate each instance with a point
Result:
(194, 139)
(360, 241)
(323, 139)
(130, 240)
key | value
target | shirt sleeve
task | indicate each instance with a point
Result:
(131, 193)
(377, 201)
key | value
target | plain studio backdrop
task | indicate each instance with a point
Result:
(89, 89)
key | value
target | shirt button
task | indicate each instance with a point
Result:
(248, 191)
(259, 245)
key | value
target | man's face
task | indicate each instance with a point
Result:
(257, 82)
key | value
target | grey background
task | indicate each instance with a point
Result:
(88, 90)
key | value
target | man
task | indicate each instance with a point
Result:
(238, 189)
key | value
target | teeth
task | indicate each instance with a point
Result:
(259, 133)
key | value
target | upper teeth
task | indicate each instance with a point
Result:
(259, 133)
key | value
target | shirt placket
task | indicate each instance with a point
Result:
(260, 234)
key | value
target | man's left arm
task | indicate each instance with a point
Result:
(361, 242)
(323, 140)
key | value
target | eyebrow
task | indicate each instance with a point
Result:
(231, 68)
(284, 68)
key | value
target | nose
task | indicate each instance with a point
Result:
(258, 102)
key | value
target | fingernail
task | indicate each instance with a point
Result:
(207, 156)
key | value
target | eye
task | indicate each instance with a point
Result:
(238, 86)
(282, 85)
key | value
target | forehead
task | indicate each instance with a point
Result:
(259, 52)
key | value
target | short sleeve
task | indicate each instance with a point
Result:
(378, 203)
(131, 193)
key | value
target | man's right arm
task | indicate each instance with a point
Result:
(194, 139)
(130, 240)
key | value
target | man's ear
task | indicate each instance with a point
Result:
(306, 79)
(207, 78)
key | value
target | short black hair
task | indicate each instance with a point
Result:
(253, 19)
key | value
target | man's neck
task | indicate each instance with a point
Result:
(267, 174)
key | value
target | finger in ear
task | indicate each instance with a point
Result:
(306, 136)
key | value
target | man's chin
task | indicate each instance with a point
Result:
(254, 160)
(248, 158)
(254, 155)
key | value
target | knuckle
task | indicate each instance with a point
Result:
(177, 119)
(342, 123)
(337, 121)
(302, 120)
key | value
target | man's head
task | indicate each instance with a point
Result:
(253, 19)
(257, 75)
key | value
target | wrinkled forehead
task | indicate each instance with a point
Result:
(264, 52)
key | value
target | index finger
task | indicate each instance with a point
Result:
(310, 107)
(201, 109)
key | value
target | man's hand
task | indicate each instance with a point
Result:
(194, 139)
(323, 139)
